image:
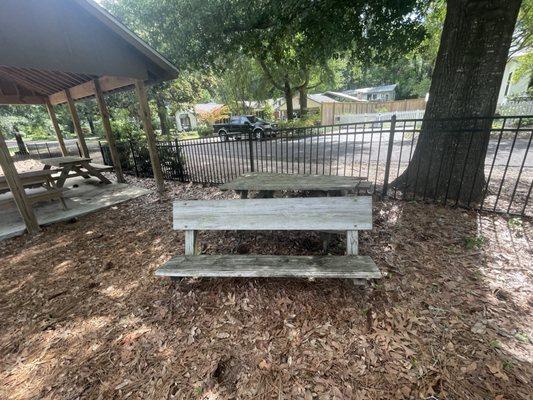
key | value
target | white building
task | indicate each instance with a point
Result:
(511, 88)
(375, 93)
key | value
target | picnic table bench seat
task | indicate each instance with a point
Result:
(349, 214)
(36, 179)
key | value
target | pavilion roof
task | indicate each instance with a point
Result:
(49, 46)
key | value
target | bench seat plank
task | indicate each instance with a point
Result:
(236, 265)
(102, 167)
(310, 213)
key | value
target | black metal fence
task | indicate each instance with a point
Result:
(378, 151)
(51, 149)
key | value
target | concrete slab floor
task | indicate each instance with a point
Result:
(83, 196)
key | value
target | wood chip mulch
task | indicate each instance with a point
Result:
(82, 315)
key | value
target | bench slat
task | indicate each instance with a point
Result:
(102, 167)
(310, 213)
(235, 265)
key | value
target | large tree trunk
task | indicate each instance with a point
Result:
(303, 101)
(162, 114)
(287, 91)
(448, 162)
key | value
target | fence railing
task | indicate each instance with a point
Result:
(378, 151)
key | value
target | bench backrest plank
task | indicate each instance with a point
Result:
(310, 213)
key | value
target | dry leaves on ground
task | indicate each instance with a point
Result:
(83, 315)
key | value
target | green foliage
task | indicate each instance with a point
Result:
(204, 130)
(124, 126)
(294, 42)
(514, 223)
(476, 242)
(310, 120)
(268, 112)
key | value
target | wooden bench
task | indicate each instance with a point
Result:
(349, 214)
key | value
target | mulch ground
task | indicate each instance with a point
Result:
(83, 316)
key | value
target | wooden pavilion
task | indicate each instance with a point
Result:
(59, 51)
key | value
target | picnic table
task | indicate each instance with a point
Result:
(267, 183)
(72, 166)
(36, 179)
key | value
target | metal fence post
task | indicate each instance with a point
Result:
(251, 149)
(389, 156)
(181, 162)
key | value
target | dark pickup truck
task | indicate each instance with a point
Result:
(240, 127)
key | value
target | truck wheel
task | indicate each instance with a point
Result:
(223, 136)
(259, 134)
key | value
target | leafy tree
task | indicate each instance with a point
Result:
(288, 39)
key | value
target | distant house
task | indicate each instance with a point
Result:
(339, 96)
(375, 93)
(509, 87)
(186, 121)
(204, 108)
(314, 102)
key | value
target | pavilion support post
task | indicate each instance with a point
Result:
(108, 131)
(77, 124)
(15, 185)
(144, 111)
(55, 124)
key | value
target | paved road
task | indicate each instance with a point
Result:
(372, 147)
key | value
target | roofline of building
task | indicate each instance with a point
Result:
(125, 33)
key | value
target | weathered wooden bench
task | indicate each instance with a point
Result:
(349, 214)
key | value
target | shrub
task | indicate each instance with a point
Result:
(204, 130)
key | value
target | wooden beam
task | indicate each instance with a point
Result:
(144, 111)
(19, 99)
(77, 124)
(108, 132)
(107, 83)
(55, 124)
(17, 189)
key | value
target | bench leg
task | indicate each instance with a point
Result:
(190, 242)
(352, 249)
(352, 243)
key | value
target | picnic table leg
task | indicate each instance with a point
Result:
(80, 172)
(63, 176)
(94, 172)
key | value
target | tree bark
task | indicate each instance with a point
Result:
(288, 92)
(162, 114)
(449, 158)
(303, 101)
(91, 125)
